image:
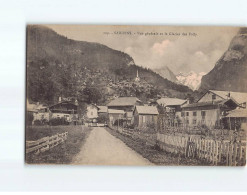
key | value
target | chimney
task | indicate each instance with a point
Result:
(188, 101)
(229, 94)
(59, 99)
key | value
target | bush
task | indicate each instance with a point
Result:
(58, 121)
(103, 118)
(130, 126)
(119, 122)
(37, 122)
(41, 122)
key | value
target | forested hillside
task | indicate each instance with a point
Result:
(58, 66)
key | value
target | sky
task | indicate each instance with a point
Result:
(181, 48)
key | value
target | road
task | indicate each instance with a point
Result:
(102, 148)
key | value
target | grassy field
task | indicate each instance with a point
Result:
(61, 154)
(154, 154)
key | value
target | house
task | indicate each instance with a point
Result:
(102, 115)
(214, 95)
(102, 110)
(171, 104)
(145, 115)
(124, 103)
(43, 114)
(65, 109)
(172, 109)
(114, 115)
(129, 117)
(37, 111)
(209, 109)
(236, 119)
(91, 113)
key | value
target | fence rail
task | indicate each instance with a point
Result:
(223, 152)
(127, 132)
(224, 148)
(45, 143)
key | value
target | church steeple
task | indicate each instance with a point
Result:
(137, 79)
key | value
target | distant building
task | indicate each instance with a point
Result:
(65, 109)
(214, 95)
(209, 110)
(114, 115)
(145, 115)
(102, 110)
(92, 113)
(38, 111)
(172, 108)
(129, 117)
(124, 103)
(236, 119)
(171, 104)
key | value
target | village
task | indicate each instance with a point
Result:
(174, 125)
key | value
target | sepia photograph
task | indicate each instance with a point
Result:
(136, 95)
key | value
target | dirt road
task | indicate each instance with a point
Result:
(101, 148)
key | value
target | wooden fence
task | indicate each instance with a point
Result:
(150, 139)
(225, 152)
(45, 143)
(127, 132)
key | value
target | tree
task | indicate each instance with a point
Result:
(93, 95)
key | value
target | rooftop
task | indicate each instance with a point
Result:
(124, 101)
(202, 104)
(113, 111)
(238, 96)
(170, 101)
(34, 107)
(147, 110)
(237, 113)
(102, 108)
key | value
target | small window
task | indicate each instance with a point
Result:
(187, 121)
(194, 122)
(213, 97)
(194, 113)
(182, 114)
(203, 113)
(187, 113)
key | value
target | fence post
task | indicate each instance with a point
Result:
(217, 152)
(240, 153)
(230, 153)
(220, 150)
(213, 151)
(208, 153)
(235, 150)
(227, 153)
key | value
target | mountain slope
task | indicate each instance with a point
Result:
(165, 72)
(58, 66)
(230, 72)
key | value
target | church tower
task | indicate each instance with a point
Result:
(137, 79)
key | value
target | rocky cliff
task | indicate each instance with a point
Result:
(230, 72)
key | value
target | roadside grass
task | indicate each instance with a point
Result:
(62, 153)
(154, 154)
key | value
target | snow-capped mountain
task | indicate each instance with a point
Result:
(191, 79)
